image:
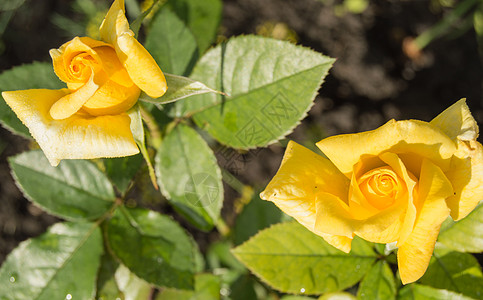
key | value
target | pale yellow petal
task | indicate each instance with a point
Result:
(342, 243)
(73, 102)
(383, 227)
(301, 176)
(457, 122)
(108, 29)
(141, 66)
(466, 175)
(333, 216)
(77, 137)
(415, 253)
(398, 137)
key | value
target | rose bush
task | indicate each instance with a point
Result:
(104, 80)
(395, 184)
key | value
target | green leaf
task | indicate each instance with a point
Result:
(454, 271)
(465, 235)
(152, 246)
(290, 297)
(121, 170)
(10, 4)
(179, 87)
(423, 292)
(130, 286)
(202, 17)
(189, 176)
(378, 283)
(61, 262)
(171, 43)
(256, 215)
(74, 190)
(272, 86)
(207, 287)
(32, 76)
(337, 296)
(292, 259)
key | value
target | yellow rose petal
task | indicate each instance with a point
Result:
(71, 103)
(466, 176)
(333, 216)
(77, 137)
(414, 254)
(383, 227)
(112, 99)
(300, 177)
(398, 137)
(342, 243)
(141, 66)
(108, 29)
(457, 122)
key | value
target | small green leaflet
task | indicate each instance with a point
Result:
(378, 284)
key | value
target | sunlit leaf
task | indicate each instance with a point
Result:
(189, 176)
(424, 292)
(465, 235)
(271, 83)
(292, 259)
(378, 284)
(207, 287)
(179, 87)
(74, 190)
(60, 264)
(454, 271)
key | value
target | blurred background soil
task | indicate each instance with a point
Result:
(376, 78)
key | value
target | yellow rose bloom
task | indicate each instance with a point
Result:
(395, 184)
(104, 79)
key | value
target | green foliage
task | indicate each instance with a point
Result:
(256, 215)
(190, 177)
(423, 292)
(201, 17)
(378, 283)
(465, 235)
(272, 85)
(171, 43)
(10, 4)
(121, 170)
(294, 260)
(33, 76)
(454, 271)
(207, 287)
(75, 190)
(152, 246)
(179, 87)
(43, 267)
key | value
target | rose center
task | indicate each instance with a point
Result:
(380, 186)
(81, 66)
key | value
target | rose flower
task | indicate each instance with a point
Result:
(395, 184)
(104, 78)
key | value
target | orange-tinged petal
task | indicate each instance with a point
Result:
(112, 99)
(466, 175)
(71, 103)
(77, 137)
(141, 66)
(457, 122)
(301, 176)
(414, 254)
(113, 67)
(398, 137)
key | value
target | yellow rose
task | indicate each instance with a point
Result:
(395, 184)
(104, 79)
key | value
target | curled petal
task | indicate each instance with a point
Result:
(342, 243)
(414, 254)
(112, 99)
(301, 176)
(466, 175)
(77, 137)
(333, 216)
(73, 102)
(398, 137)
(457, 122)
